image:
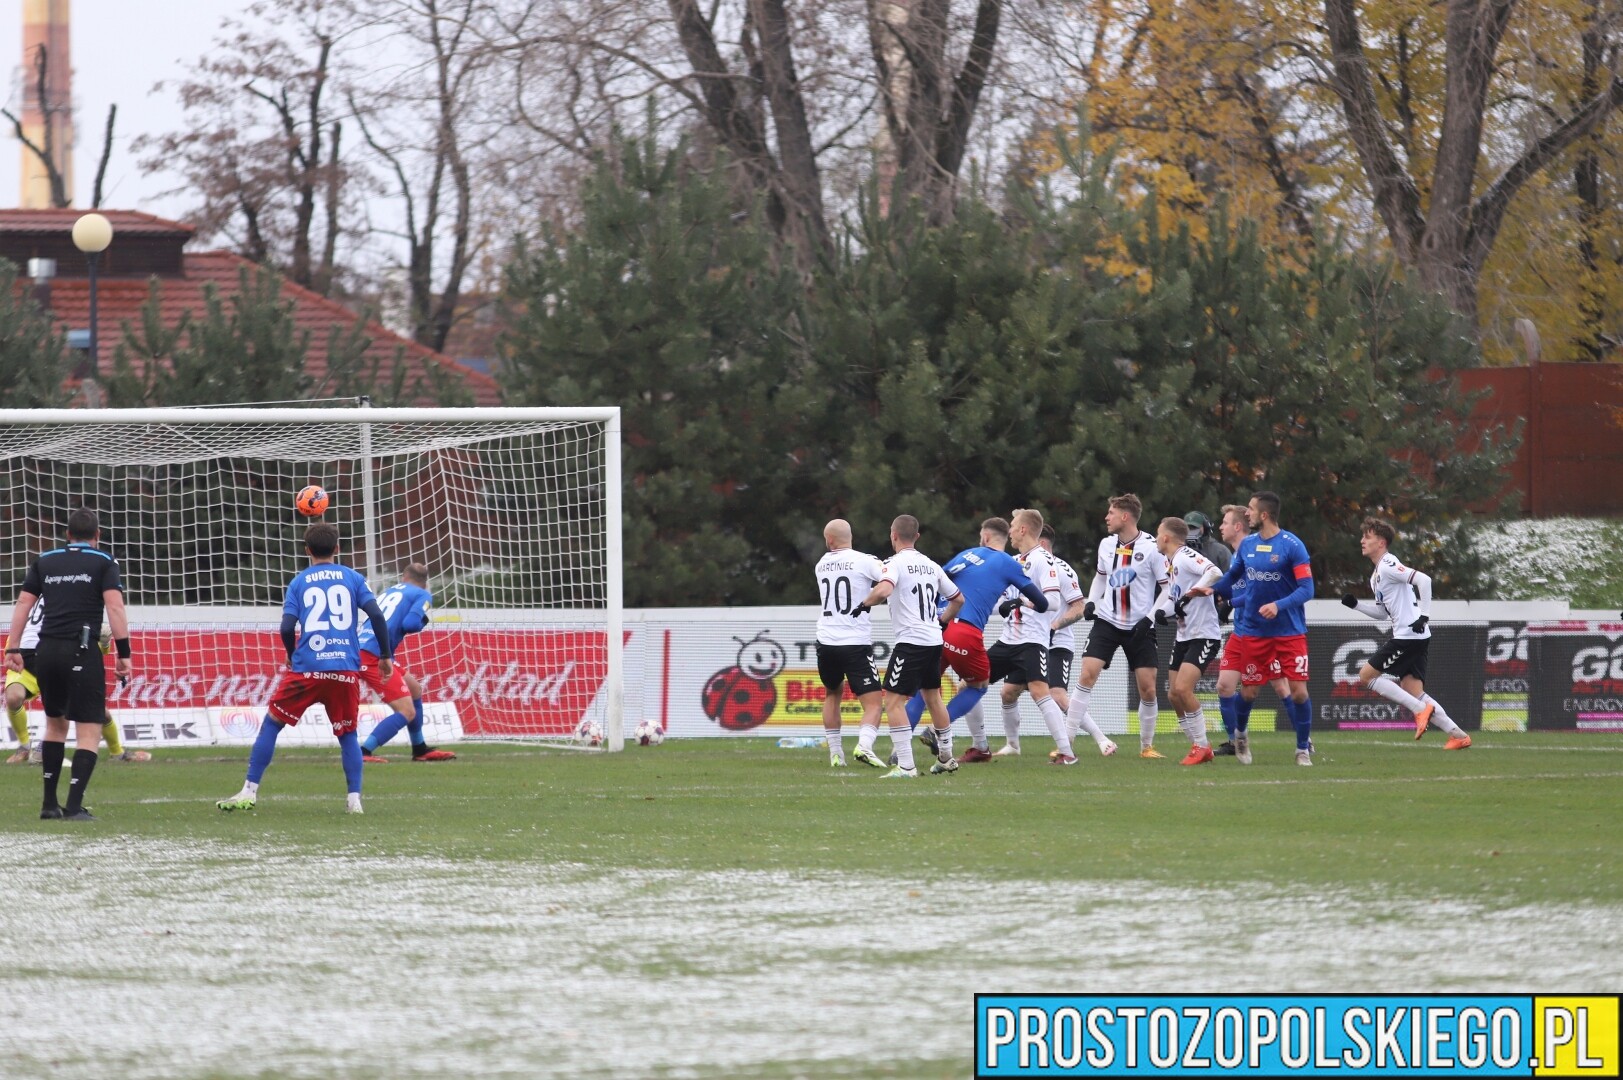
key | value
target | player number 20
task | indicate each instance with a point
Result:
(327, 609)
(839, 590)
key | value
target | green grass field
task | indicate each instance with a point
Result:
(727, 908)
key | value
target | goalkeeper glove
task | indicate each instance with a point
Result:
(1008, 605)
(1087, 610)
(1419, 625)
(1349, 600)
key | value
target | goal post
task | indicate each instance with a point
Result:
(516, 512)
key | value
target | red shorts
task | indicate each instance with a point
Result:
(1264, 659)
(963, 649)
(339, 692)
(391, 689)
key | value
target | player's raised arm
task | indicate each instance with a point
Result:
(1224, 586)
(1363, 607)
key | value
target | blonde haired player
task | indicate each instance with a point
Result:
(1199, 638)
(1021, 657)
(22, 687)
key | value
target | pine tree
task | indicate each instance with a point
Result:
(669, 302)
(33, 361)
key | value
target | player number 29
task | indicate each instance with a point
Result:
(327, 609)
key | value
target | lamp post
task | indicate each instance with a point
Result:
(91, 235)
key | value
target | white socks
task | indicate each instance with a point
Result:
(1388, 688)
(943, 743)
(1194, 726)
(1011, 724)
(1441, 718)
(901, 740)
(866, 736)
(1147, 713)
(1056, 723)
(835, 747)
(977, 727)
(1081, 718)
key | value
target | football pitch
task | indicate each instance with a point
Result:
(728, 908)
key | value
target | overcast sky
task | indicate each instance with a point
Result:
(120, 49)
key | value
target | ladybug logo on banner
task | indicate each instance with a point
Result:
(742, 696)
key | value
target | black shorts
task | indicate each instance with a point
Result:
(838, 663)
(1059, 667)
(72, 681)
(1106, 637)
(1402, 657)
(1020, 665)
(913, 668)
(1200, 651)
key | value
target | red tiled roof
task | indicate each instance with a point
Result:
(119, 300)
(61, 221)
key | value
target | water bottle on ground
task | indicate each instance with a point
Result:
(799, 742)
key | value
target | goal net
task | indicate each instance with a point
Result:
(515, 513)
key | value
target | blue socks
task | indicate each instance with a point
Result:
(1242, 711)
(415, 729)
(964, 700)
(1301, 715)
(349, 749)
(1230, 708)
(387, 729)
(259, 758)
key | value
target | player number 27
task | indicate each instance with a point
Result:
(327, 609)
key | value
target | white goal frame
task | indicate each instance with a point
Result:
(363, 418)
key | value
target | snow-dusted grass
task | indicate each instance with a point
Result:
(204, 959)
(1575, 559)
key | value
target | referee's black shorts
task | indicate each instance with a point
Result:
(72, 681)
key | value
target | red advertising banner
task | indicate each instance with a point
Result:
(503, 682)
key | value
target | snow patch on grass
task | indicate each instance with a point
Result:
(200, 959)
(1573, 559)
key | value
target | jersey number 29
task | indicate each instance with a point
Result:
(327, 609)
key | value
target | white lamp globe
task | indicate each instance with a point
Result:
(92, 233)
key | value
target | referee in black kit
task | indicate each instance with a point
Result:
(76, 582)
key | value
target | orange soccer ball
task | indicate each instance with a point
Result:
(312, 501)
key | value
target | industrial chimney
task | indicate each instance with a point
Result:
(45, 24)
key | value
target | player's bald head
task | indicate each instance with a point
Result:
(837, 533)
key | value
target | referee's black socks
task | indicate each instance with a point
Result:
(50, 756)
(84, 763)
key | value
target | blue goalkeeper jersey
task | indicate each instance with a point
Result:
(1278, 571)
(982, 575)
(326, 599)
(406, 607)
